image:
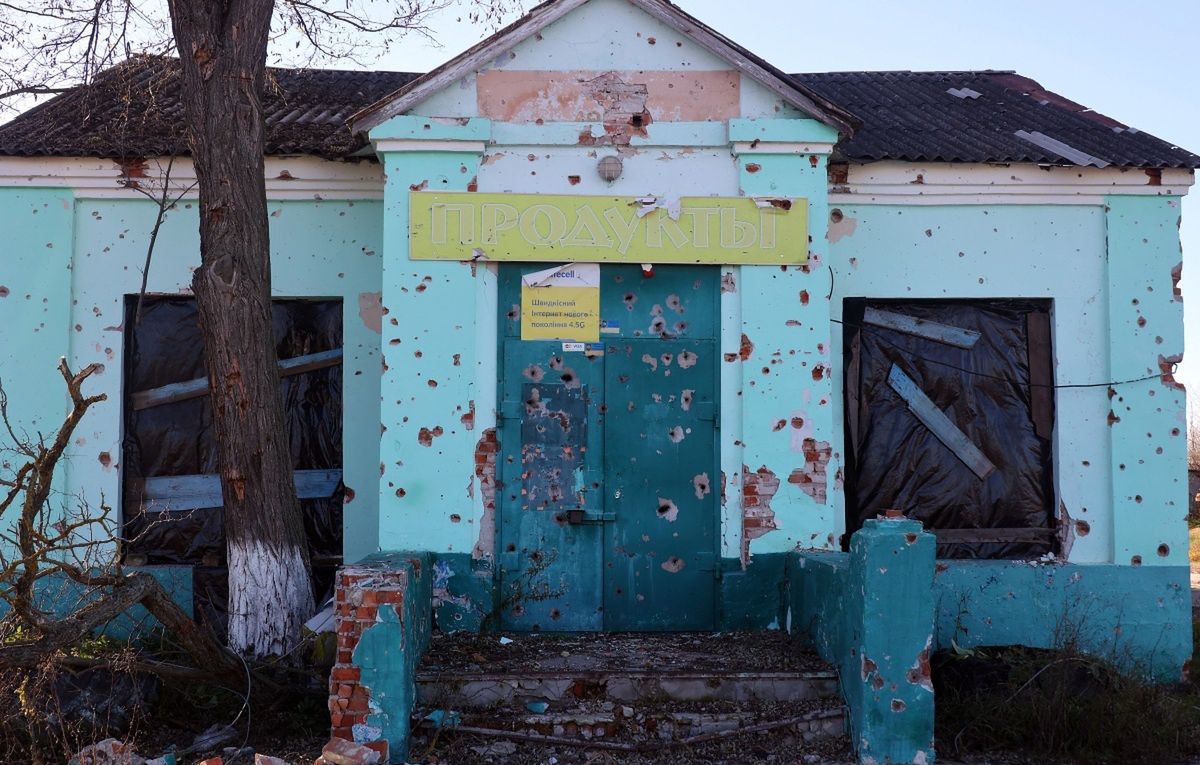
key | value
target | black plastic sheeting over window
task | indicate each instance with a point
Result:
(174, 439)
(895, 462)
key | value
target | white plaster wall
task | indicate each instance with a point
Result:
(668, 171)
(609, 34)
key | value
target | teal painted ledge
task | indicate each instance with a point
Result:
(416, 128)
(781, 131)
(1138, 617)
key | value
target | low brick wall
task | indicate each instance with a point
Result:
(383, 615)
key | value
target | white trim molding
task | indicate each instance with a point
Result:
(287, 178)
(387, 145)
(948, 183)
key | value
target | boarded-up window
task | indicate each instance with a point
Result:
(949, 417)
(171, 510)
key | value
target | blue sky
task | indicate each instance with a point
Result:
(1137, 64)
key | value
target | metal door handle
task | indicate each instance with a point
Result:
(583, 518)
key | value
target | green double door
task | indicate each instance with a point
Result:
(609, 485)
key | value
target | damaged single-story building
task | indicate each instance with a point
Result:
(608, 325)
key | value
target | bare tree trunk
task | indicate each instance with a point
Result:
(222, 45)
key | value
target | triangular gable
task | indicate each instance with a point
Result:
(803, 99)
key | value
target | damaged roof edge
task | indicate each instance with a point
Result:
(794, 93)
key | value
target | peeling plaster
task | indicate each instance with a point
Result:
(370, 310)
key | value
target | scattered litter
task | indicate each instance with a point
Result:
(210, 739)
(500, 748)
(505, 641)
(232, 755)
(339, 751)
(323, 620)
(364, 733)
(262, 759)
(537, 707)
(110, 751)
(444, 718)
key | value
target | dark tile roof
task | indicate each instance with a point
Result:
(133, 110)
(913, 116)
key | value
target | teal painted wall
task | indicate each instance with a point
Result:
(59, 595)
(972, 251)
(1109, 271)
(77, 259)
(35, 311)
(432, 354)
(786, 372)
(1148, 432)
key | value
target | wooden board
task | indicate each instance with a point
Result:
(1041, 373)
(193, 492)
(169, 394)
(930, 330)
(1001, 536)
(939, 424)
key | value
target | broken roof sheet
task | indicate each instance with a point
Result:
(133, 110)
(982, 116)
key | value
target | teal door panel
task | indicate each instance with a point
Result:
(672, 302)
(607, 497)
(550, 466)
(660, 473)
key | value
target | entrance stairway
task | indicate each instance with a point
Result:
(625, 698)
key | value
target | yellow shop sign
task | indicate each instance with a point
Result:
(591, 229)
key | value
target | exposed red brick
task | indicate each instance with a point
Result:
(812, 478)
(486, 451)
(425, 436)
(758, 488)
(747, 348)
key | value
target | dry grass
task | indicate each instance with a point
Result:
(1061, 706)
(1194, 544)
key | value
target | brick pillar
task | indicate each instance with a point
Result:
(360, 593)
(383, 618)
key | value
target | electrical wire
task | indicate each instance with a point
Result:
(1110, 384)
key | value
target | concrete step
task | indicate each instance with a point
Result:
(472, 671)
(603, 732)
(477, 690)
(625, 698)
